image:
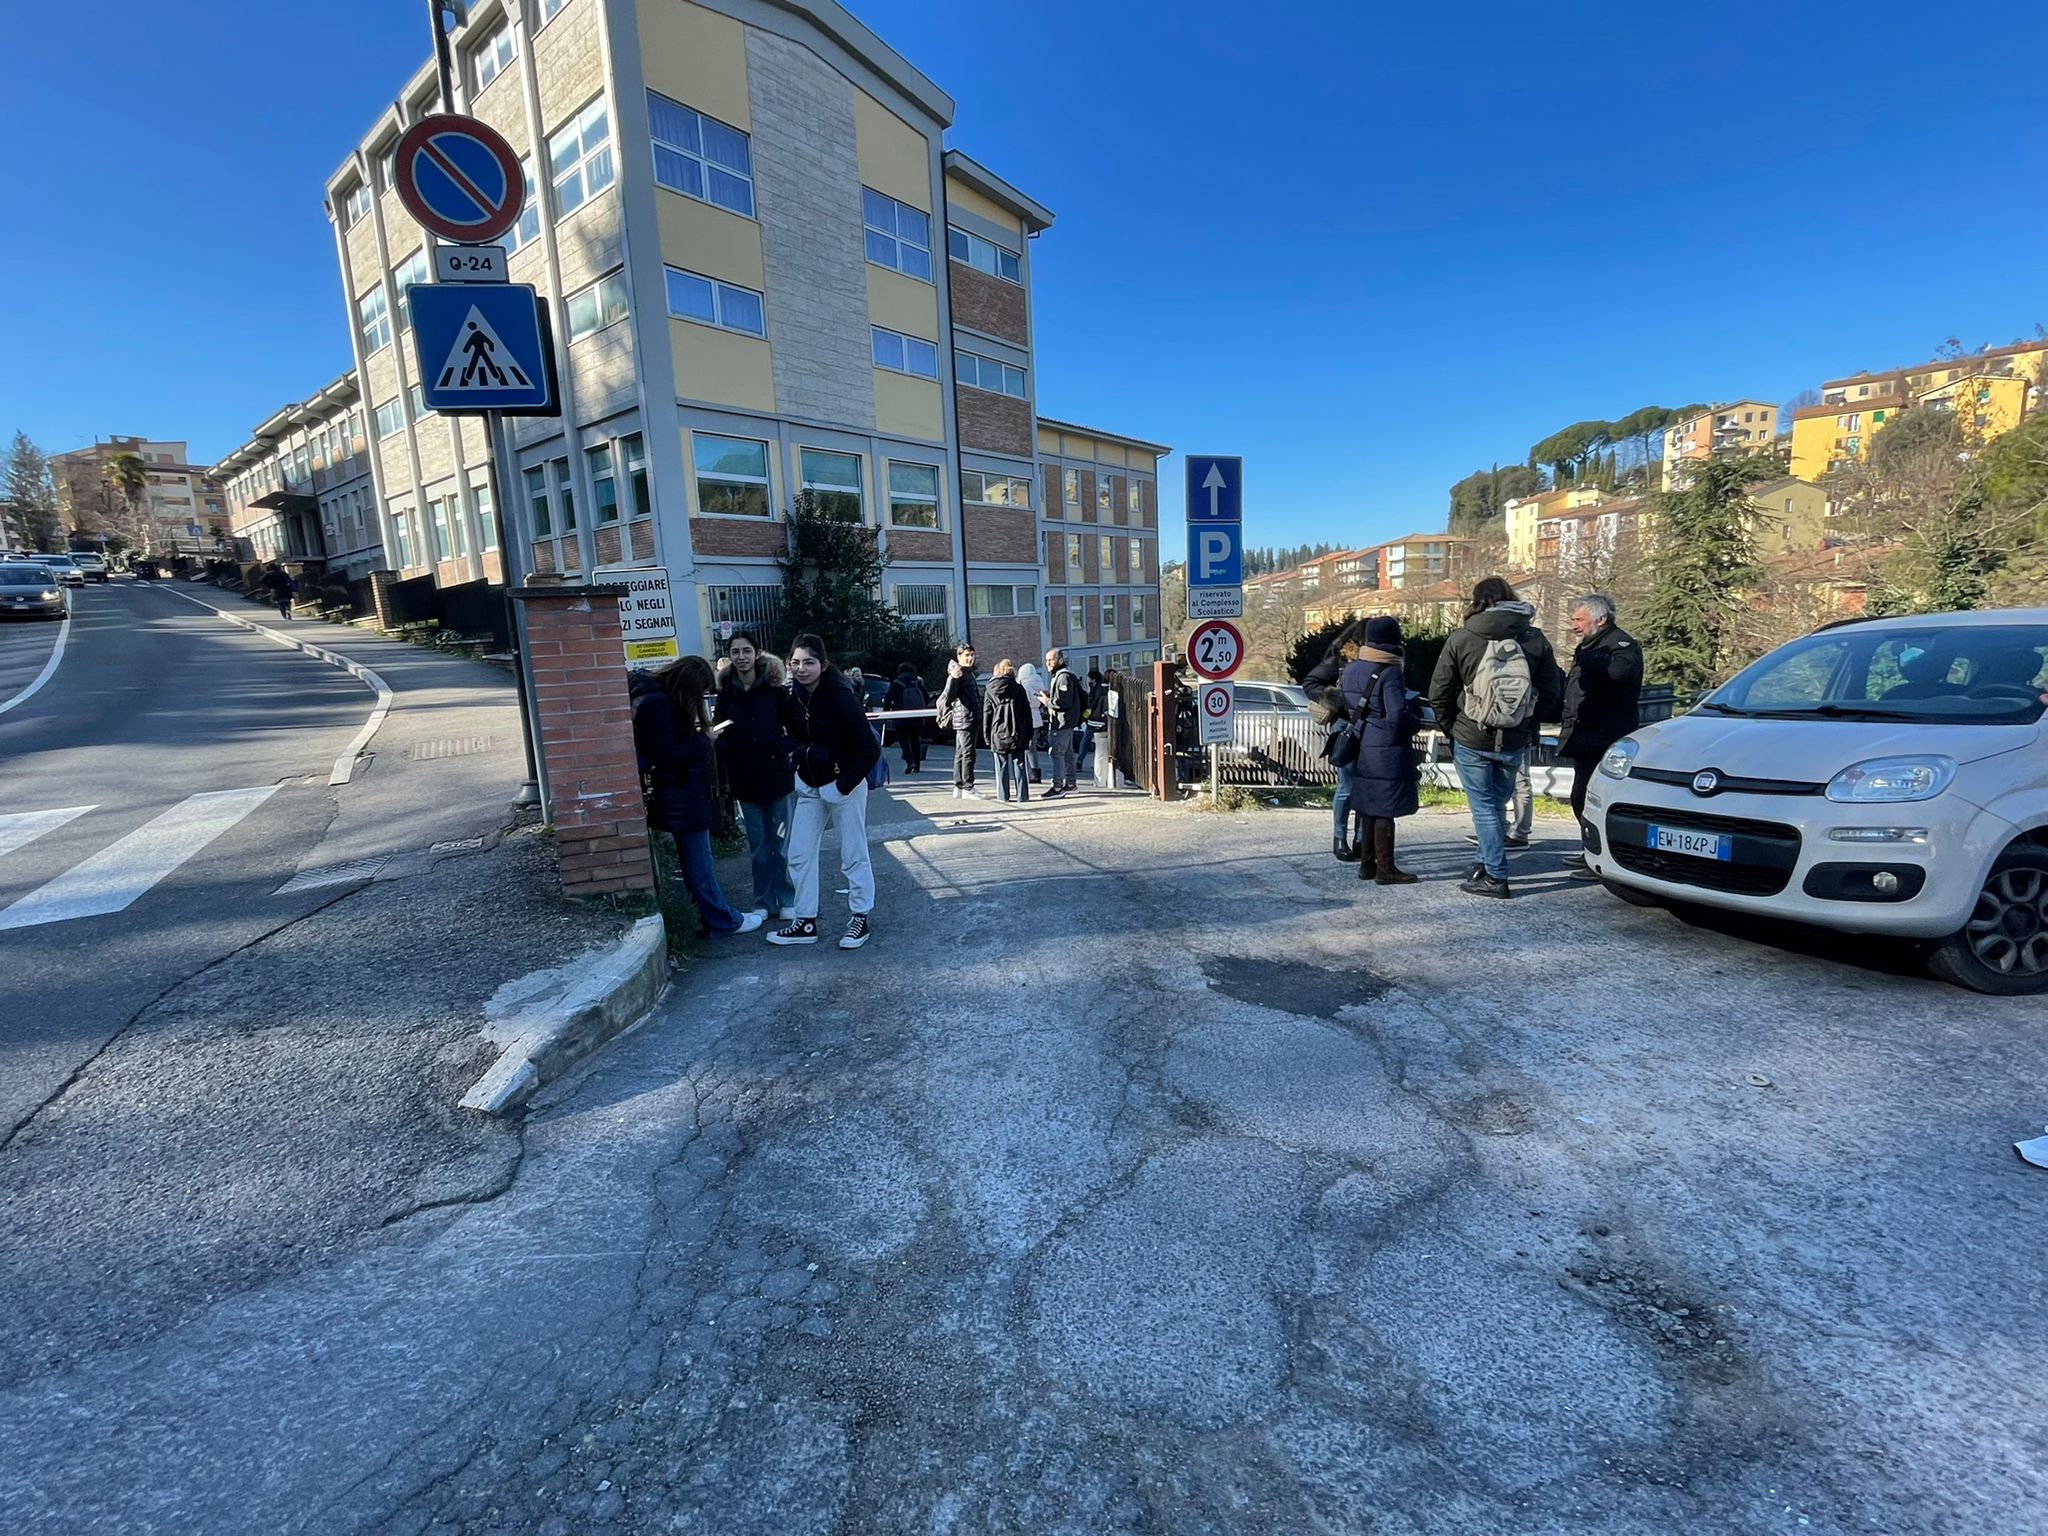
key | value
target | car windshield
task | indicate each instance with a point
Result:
(1962, 674)
(23, 576)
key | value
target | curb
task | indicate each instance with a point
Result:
(553, 1019)
(344, 765)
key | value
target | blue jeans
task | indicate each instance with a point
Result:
(700, 878)
(768, 841)
(1013, 776)
(1340, 806)
(1489, 780)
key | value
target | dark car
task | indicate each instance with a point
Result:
(32, 591)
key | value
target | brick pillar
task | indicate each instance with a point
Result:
(380, 598)
(585, 724)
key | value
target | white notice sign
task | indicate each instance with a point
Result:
(647, 613)
(1215, 602)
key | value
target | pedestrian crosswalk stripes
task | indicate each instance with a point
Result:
(24, 827)
(115, 877)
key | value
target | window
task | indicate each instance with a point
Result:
(899, 236)
(401, 525)
(1105, 558)
(904, 354)
(376, 319)
(486, 515)
(984, 256)
(834, 478)
(634, 449)
(550, 9)
(356, 206)
(527, 230)
(1137, 553)
(732, 476)
(924, 605)
(595, 307)
(913, 495)
(755, 608)
(390, 419)
(990, 602)
(418, 398)
(1133, 505)
(1109, 619)
(1877, 416)
(437, 521)
(491, 56)
(709, 302)
(1137, 615)
(604, 484)
(580, 159)
(1077, 622)
(994, 490)
(537, 502)
(565, 493)
(998, 378)
(700, 157)
(387, 167)
(412, 272)
(1104, 500)
(1073, 557)
(1070, 486)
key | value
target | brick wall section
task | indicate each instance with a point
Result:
(1148, 504)
(994, 423)
(1054, 506)
(380, 598)
(585, 723)
(494, 568)
(1015, 639)
(1052, 557)
(642, 533)
(610, 547)
(921, 544)
(988, 304)
(1001, 534)
(1087, 495)
(768, 537)
(544, 555)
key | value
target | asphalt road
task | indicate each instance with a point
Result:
(158, 789)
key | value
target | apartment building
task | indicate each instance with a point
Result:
(182, 511)
(735, 212)
(2009, 381)
(1100, 534)
(300, 490)
(1522, 514)
(1738, 428)
(1421, 560)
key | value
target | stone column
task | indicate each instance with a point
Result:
(584, 722)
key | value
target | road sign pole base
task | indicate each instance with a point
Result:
(528, 795)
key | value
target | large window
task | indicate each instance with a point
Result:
(595, 307)
(438, 522)
(710, 302)
(537, 502)
(390, 418)
(1137, 554)
(1137, 615)
(904, 354)
(565, 492)
(913, 495)
(989, 601)
(732, 475)
(1070, 489)
(979, 372)
(527, 229)
(834, 478)
(401, 524)
(1077, 622)
(700, 157)
(754, 608)
(1105, 557)
(1105, 498)
(984, 256)
(356, 206)
(1109, 619)
(899, 236)
(634, 449)
(486, 516)
(604, 484)
(580, 158)
(491, 56)
(1073, 542)
(375, 315)
(1133, 507)
(924, 605)
(994, 490)
(414, 271)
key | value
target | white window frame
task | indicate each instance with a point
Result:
(900, 352)
(971, 250)
(607, 291)
(402, 525)
(373, 318)
(917, 498)
(527, 230)
(413, 271)
(491, 57)
(723, 295)
(633, 458)
(858, 490)
(592, 158)
(441, 529)
(540, 511)
(707, 165)
(972, 369)
(562, 486)
(732, 477)
(882, 220)
(355, 205)
(547, 11)
(602, 460)
(486, 516)
(395, 417)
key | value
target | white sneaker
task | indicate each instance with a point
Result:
(752, 920)
(959, 793)
(760, 914)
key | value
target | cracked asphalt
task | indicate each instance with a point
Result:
(1147, 1173)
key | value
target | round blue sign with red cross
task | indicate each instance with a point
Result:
(459, 178)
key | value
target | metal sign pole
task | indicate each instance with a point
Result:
(1215, 759)
(530, 791)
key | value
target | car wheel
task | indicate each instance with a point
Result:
(2003, 949)
(1630, 894)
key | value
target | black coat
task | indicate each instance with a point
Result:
(835, 744)
(1602, 695)
(684, 771)
(1385, 715)
(959, 704)
(1459, 663)
(754, 749)
(1006, 718)
(1069, 701)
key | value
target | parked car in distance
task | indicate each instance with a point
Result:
(1880, 776)
(91, 564)
(31, 591)
(63, 567)
(1276, 698)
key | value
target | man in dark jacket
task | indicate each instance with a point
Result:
(1495, 681)
(907, 692)
(960, 712)
(1601, 699)
(1006, 726)
(282, 589)
(1065, 703)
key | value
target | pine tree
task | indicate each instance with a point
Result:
(31, 496)
(1705, 558)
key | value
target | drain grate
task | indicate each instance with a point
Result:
(334, 874)
(454, 746)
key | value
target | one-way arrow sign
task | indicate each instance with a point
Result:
(1215, 489)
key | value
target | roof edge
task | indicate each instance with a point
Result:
(1108, 437)
(1036, 216)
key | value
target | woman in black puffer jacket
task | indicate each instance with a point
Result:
(673, 733)
(753, 753)
(835, 750)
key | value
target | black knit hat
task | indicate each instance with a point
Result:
(1383, 633)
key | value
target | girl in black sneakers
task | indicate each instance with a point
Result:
(835, 750)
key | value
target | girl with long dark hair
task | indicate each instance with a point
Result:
(673, 732)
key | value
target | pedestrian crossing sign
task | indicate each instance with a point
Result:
(482, 347)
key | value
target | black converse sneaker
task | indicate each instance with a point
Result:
(802, 930)
(856, 932)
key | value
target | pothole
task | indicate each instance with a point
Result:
(1679, 1324)
(1493, 1114)
(1312, 991)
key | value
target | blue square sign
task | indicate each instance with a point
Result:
(482, 347)
(1215, 554)
(1215, 489)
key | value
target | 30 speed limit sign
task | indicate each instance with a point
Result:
(1215, 704)
(1215, 649)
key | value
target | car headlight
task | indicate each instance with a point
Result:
(1620, 758)
(49, 594)
(1891, 779)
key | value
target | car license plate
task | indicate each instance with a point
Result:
(1698, 845)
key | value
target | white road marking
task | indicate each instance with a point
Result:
(112, 879)
(25, 827)
(49, 667)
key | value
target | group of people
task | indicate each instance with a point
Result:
(796, 752)
(1496, 682)
(1023, 713)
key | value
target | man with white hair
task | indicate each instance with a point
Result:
(1600, 702)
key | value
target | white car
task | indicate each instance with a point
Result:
(1881, 776)
(64, 568)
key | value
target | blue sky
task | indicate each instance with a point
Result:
(1368, 247)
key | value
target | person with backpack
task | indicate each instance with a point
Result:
(835, 751)
(1006, 726)
(673, 733)
(1327, 708)
(753, 713)
(1384, 717)
(960, 712)
(907, 692)
(1495, 680)
(1065, 703)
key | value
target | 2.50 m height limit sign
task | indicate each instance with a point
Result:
(1215, 649)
